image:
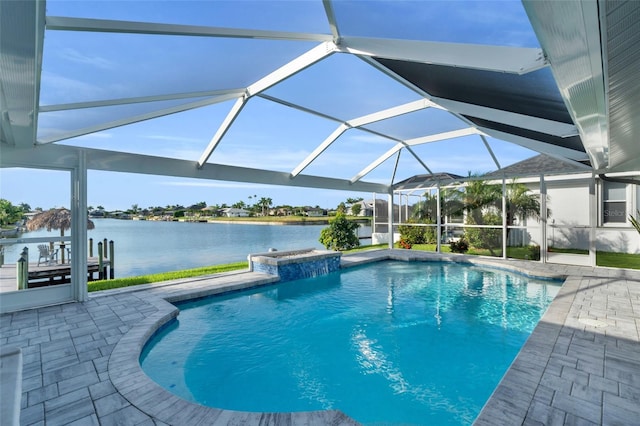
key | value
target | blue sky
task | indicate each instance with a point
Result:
(82, 67)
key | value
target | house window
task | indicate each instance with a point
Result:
(614, 203)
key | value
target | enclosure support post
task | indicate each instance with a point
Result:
(504, 218)
(438, 220)
(373, 220)
(79, 229)
(593, 208)
(543, 220)
(390, 215)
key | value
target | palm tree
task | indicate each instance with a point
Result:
(635, 222)
(425, 210)
(521, 203)
(450, 204)
(265, 203)
(479, 195)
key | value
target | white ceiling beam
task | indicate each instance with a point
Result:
(536, 145)
(133, 119)
(412, 142)
(6, 132)
(443, 136)
(22, 35)
(293, 67)
(493, 155)
(331, 18)
(222, 130)
(298, 107)
(384, 157)
(390, 113)
(417, 157)
(233, 93)
(516, 60)
(361, 121)
(577, 64)
(326, 116)
(528, 122)
(62, 23)
(64, 156)
(319, 150)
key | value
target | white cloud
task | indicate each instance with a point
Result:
(174, 138)
(369, 138)
(57, 89)
(75, 56)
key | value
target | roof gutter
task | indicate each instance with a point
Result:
(618, 179)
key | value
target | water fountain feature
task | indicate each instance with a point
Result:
(295, 264)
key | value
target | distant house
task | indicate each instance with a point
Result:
(314, 212)
(210, 211)
(366, 208)
(281, 211)
(233, 212)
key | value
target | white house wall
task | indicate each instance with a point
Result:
(569, 220)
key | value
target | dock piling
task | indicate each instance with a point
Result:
(101, 274)
(111, 270)
(22, 269)
(90, 247)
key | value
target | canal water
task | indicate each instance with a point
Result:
(146, 247)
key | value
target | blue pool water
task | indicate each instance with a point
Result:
(387, 343)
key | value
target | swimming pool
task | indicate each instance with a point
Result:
(389, 343)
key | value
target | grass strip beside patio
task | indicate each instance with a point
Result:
(165, 276)
(603, 258)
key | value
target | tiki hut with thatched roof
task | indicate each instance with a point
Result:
(54, 219)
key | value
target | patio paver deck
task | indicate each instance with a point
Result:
(581, 365)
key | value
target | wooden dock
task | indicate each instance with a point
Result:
(45, 275)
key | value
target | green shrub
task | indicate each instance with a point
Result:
(460, 246)
(413, 234)
(533, 252)
(341, 234)
(486, 238)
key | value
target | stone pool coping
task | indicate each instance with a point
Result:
(81, 359)
(134, 385)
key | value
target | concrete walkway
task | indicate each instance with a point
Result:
(581, 365)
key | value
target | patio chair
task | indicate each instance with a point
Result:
(45, 255)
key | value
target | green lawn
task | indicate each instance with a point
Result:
(166, 276)
(606, 259)
(618, 260)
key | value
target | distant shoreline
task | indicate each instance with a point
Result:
(262, 222)
(247, 220)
